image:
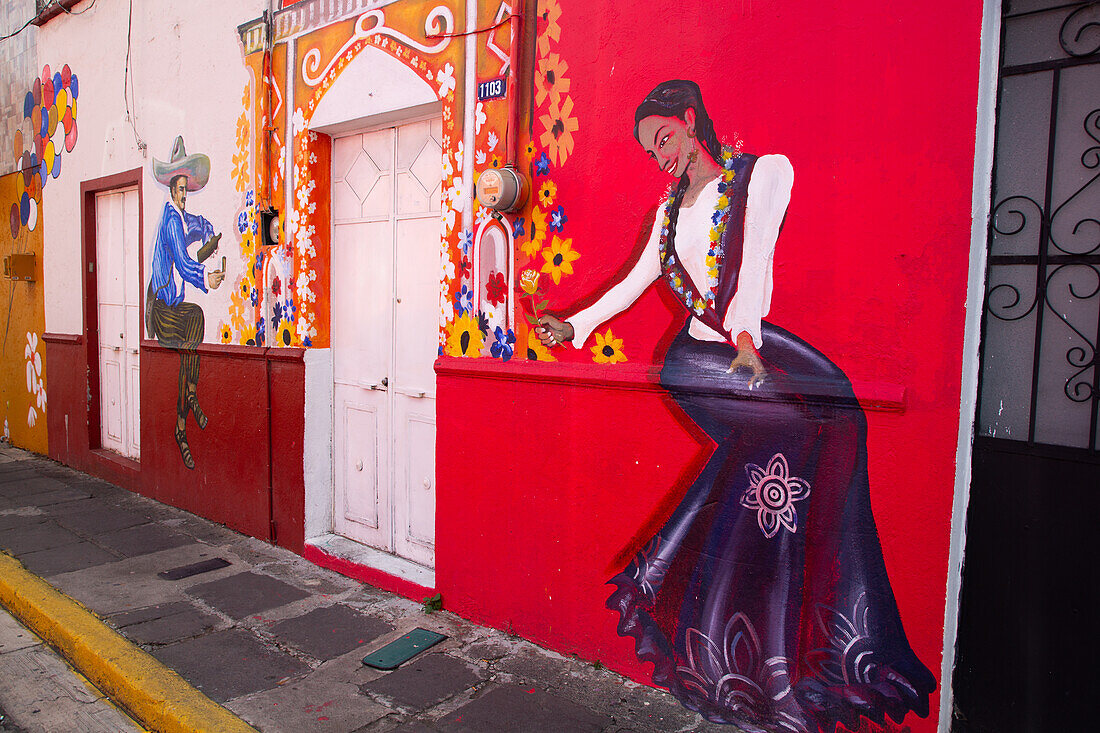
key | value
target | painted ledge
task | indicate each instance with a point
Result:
(877, 397)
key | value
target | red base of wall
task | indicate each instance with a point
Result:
(367, 575)
(248, 460)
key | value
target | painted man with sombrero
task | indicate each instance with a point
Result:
(168, 318)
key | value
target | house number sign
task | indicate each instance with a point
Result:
(492, 89)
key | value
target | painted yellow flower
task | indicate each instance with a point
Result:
(608, 349)
(225, 333)
(463, 337)
(286, 335)
(248, 334)
(538, 233)
(550, 81)
(559, 124)
(559, 258)
(535, 350)
(546, 193)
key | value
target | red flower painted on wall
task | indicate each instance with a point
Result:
(496, 288)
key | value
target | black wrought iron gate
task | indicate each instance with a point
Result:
(1026, 657)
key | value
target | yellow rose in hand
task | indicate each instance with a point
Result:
(529, 281)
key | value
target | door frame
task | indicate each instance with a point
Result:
(981, 203)
(89, 247)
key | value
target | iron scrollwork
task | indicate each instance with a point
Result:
(1080, 32)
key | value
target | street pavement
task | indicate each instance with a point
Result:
(279, 641)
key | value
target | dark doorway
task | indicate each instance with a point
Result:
(1026, 647)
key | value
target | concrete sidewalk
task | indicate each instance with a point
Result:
(279, 641)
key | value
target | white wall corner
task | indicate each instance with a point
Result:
(317, 443)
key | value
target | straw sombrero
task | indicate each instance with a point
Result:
(196, 167)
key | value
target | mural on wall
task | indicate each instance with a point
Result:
(764, 600)
(47, 131)
(172, 320)
(421, 37)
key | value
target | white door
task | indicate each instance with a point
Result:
(386, 196)
(118, 288)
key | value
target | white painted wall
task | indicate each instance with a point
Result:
(188, 76)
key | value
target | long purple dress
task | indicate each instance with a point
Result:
(764, 600)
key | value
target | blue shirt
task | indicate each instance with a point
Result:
(177, 230)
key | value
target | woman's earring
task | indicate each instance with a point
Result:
(694, 154)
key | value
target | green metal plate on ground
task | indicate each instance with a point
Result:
(396, 653)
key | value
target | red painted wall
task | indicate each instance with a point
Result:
(235, 461)
(546, 487)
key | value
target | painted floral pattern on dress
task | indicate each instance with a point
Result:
(772, 493)
(732, 673)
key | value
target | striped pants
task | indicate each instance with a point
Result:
(181, 327)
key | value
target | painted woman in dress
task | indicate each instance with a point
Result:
(764, 600)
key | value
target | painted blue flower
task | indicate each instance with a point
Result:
(255, 226)
(517, 228)
(722, 187)
(254, 296)
(542, 164)
(259, 331)
(557, 219)
(277, 316)
(249, 198)
(467, 242)
(503, 347)
(289, 309)
(307, 341)
(716, 216)
(464, 300)
(242, 222)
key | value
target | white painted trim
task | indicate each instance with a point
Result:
(469, 122)
(975, 295)
(317, 442)
(359, 554)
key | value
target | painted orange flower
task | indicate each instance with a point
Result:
(550, 79)
(559, 125)
(464, 337)
(559, 258)
(550, 24)
(535, 350)
(608, 349)
(546, 193)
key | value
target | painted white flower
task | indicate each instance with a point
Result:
(457, 194)
(446, 309)
(446, 79)
(479, 117)
(772, 493)
(492, 141)
(32, 416)
(298, 121)
(458, 156)
(448, 169)
(482, 215)
(447, 221)
(479, 157)
(446, 266)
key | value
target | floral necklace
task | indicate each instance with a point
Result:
(677, 276)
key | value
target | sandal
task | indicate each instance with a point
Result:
(200, 416)
(185, 450)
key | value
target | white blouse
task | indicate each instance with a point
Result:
(768, 195)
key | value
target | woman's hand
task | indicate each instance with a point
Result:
(553, 331)
(749, 357)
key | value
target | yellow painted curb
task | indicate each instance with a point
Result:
(154, 694)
